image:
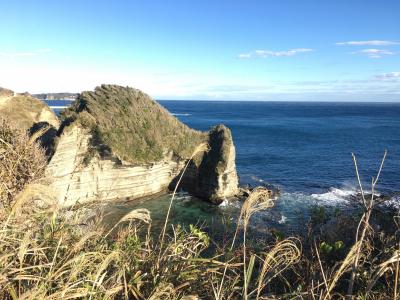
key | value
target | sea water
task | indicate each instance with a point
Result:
(304, 148)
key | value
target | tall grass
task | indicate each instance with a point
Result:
(47, 254)
(22, 161)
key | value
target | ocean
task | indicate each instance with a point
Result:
(304, 148)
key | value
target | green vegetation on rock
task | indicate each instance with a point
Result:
(129, 124)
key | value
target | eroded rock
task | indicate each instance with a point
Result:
(213, 176)
(116, 142)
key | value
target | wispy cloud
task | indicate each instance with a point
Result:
(391, 76)
(25, 54)
(368, 43)
(269, 53)
(374, 53)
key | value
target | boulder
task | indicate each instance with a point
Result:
(117, 143)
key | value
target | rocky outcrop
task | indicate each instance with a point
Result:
(79, 181)
(56, 96)
(25, 109)
(217, 171)
(116, 143)
(213, 177)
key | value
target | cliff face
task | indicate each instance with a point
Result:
(25, 109)
(213, 176)
(217, 177)
(56, 96)
(79, 181)
(117, 143)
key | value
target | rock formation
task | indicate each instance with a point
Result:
(25, 109)
(213, 176)
(116, 143)
(32, 115)
(56, 96)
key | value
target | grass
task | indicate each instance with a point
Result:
(47, 254)
(129, 124)
(5, 92)
(22, 160)
(27, 110)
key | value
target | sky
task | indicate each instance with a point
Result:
(296, 50)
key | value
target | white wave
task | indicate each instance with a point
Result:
(394, 202)
(182, 114)
(256, 179)
(282, 220)
(182, 196)
(58, 106)
(335, 196)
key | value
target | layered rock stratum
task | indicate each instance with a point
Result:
(116, 143)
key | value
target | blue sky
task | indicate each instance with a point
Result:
(342, 50)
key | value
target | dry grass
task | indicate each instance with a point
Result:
(203, 147)
(22, 161)
(45, 255)
(283, 255)
(27, 110)
(47, 258)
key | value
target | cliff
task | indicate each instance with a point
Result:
(116, 142)
(56, 96)
(25, 109)
(213, 176)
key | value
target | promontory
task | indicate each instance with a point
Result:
(117, 143)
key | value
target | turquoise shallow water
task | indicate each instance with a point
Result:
(290, 214)
(304, 148)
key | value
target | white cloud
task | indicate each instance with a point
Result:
(244, 55)
(38, 76)
(25, 54)
(269, 53)
(368, 43)
(374, 53)
(391, 76)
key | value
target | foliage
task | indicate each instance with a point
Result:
(48, 257)
(47, 254)
(129, 124)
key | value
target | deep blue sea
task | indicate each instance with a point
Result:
(302, 147)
